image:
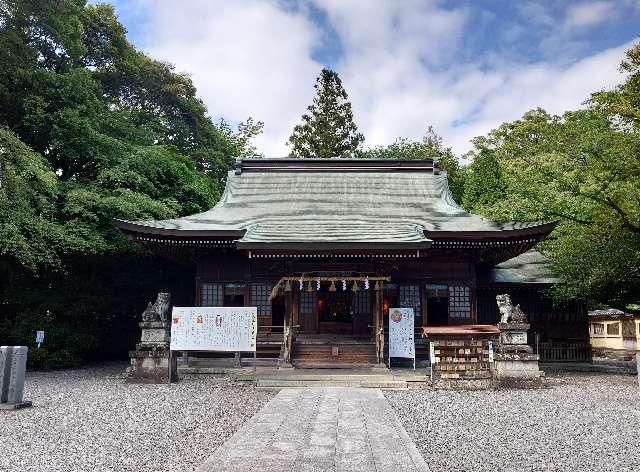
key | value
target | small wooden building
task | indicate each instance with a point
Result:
(614, 334)
(323, 247)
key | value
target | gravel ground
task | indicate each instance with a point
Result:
(579, 422)
(90, 420)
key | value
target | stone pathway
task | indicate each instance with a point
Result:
(339, 429)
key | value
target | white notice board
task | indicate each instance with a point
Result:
(401, 336)
(214, 329)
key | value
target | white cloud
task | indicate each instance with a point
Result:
(398, 65)
(589, 13)
(394, 94)
(248, 58)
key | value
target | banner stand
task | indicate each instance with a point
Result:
(401, 334)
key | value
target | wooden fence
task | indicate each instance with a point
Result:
(565, 352)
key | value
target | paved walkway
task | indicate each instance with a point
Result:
(340, 429)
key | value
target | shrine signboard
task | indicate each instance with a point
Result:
(231, 329)
(401, 333)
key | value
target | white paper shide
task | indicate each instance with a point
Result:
(401, 336)
(230, 329)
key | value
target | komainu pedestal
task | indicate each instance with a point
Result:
(150, 362)
(515, 364)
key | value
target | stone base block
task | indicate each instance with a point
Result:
(463, 384)
(514, 326)
(517, 370)
(516, 348)
(15, 406)
(152, 346)
(151, 367)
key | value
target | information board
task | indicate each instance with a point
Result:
(401, 335)
(39, 338)
(214, 329)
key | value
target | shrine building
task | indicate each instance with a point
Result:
(324, 247)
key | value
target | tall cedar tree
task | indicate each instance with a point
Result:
(328, 129)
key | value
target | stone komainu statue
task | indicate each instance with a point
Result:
(508, 312)
(159, 311)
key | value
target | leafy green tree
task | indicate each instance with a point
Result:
(623, 102)
(581, 169)
(431, 145)
(484, 185)
(328, 129)
(92, 130)
(28, 190)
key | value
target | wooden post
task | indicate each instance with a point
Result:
(379, 334)
(288, 326)
(638, 367)
(376, 324)
(424, 305)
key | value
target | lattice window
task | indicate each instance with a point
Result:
(410, 298)
(307, 302)
(597, 329)
(260, 298)
(459, 302)
(362, 302)
(212, 294)
(437, 290)
(613, 329)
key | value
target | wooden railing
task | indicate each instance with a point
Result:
(565, 352)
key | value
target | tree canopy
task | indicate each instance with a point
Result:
(583, 169)
(91, 129)
(328, 129)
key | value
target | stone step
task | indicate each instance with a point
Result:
(347, 377)
(331, 364)
(282, 383)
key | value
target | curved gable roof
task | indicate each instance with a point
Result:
(279, 201)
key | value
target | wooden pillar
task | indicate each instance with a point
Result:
(379, 325)
(287, 331)
(424, 306)
(295, 316)
(288, 304)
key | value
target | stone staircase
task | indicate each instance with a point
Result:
(333, 352)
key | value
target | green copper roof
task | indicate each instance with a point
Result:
(333, 200)
(531, 267)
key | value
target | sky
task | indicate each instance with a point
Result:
(463, 67)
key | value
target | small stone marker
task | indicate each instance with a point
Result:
(13, 364)
(39, 338)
